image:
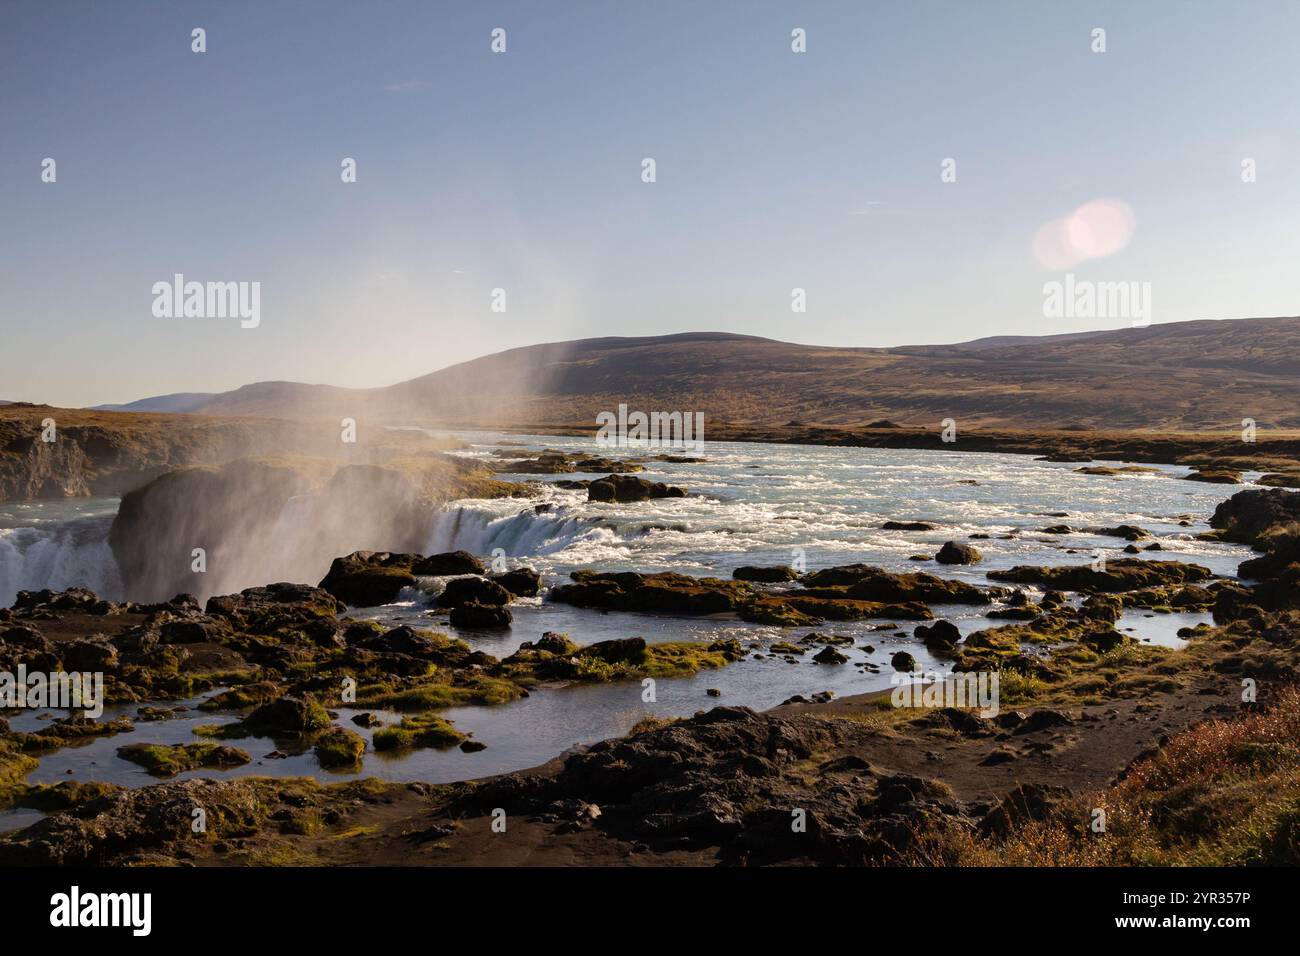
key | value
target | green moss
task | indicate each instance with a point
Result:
(684, 658)
(163, 760)
(51, 798)
(474, 689)
(340, 747)
(421, 730)
(14, 764)
(239, 698)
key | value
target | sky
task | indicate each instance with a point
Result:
(522, 171)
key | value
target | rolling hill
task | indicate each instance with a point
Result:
(1187, 376)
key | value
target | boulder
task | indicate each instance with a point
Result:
(1247, 515)
(829, 655)
(473, 590)
(1215, 476)
(475, 616)
(627, 488)
(903, 661)
(954, 553)
(940, 636)
(1128, 532)
(27, 638)
(447, 563)
(521, 582)
(369, 578)
(340, 748)
(403, 639)
(289, 716)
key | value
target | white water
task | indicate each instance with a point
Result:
(58, 545)
(749, 504)
(768, 504)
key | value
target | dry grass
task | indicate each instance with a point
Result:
(1224, 793)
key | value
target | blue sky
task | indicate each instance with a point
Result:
(522, 171)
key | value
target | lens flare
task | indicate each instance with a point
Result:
(1095, 230)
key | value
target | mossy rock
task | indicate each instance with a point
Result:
(339, 748)
(167, 760)
(245, 696)
(421, 730)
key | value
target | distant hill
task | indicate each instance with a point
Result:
(178, 402)
(1188, 376)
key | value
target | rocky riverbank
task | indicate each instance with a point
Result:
(1088, 719)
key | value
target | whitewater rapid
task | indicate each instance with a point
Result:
(57, 545)
(749, 504)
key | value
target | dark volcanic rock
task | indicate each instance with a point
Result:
(626, 488)
(521, 582)
(1247, 515)
(475, 616)
(1126, 531)
(1123, 574)
(369, 578)
(829, 655)
(731, 778)
(266, 610)
(903, 661)
(448, 563)
(665, 593)
(473, 589)
(400, 640)
(954, 553)
(130, 821)
(773, 574)
(940, 636)
(289, 716)
(89, 654)
(865, 582)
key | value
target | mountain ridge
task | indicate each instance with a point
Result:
(1183, 376)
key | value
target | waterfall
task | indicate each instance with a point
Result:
(59, 555)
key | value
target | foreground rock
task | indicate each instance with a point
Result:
(728, 779)
(153, 825)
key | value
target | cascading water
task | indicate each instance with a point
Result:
(482, 532)
(59, 554)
